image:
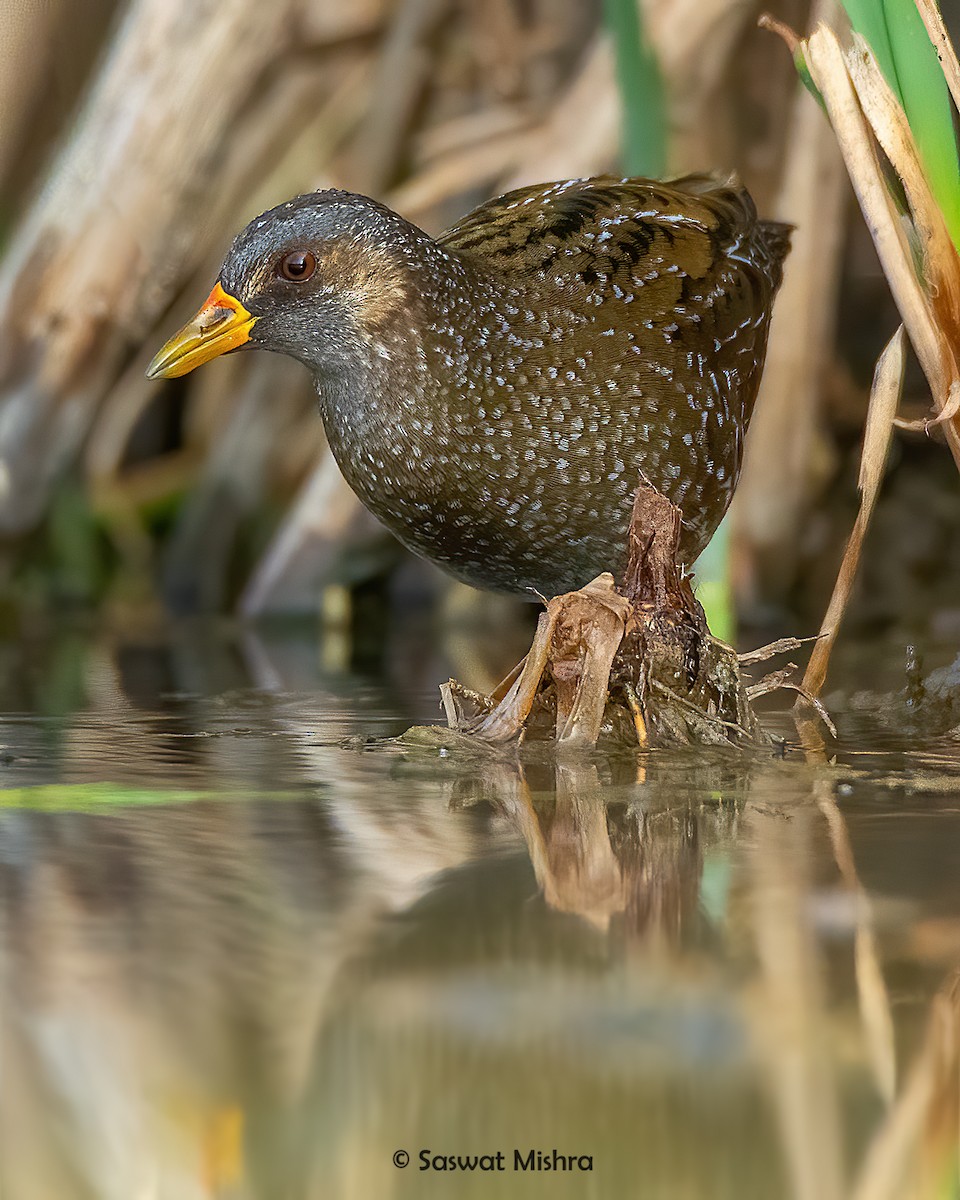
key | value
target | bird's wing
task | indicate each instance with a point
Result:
(679, 241)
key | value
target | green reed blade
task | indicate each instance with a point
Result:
(714, 585)
(800, 62)
(898, 38)
(644, 148)
(103, 797)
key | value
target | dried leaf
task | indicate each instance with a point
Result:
(884, 398)
(829, 70)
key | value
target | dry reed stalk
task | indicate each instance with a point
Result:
(780, 466)
(872, 994)
(695, 41)
(27, 43)
(125, 209)
(864, 114)
(918, 257)
(940, 265)
(402, 74)
(789, 1018)
(884, 398)
(899, 1162)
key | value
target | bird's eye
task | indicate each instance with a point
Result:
(297, 266)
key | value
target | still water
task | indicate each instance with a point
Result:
(251, 947)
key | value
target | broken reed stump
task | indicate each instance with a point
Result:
(630, 665)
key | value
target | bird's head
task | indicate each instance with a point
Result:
(321, 278)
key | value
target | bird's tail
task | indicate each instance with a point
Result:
(775, 236)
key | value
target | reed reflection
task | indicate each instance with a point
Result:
(598, 848)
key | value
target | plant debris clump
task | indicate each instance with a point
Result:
(629, 665)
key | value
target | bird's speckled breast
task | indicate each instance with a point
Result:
(512, 416)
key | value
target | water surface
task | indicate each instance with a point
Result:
(252, 948)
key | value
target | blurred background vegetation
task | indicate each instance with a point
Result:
(137, 137)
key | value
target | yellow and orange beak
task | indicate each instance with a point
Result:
(222, 324)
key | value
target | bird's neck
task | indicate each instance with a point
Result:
(406, 342)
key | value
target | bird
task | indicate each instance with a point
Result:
(495, 395)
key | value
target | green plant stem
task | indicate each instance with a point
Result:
(644, 148)
(896, 34)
